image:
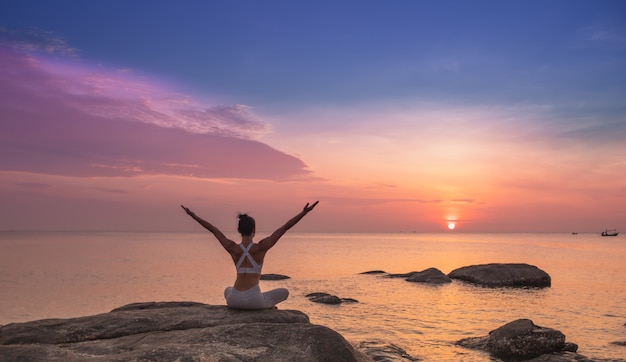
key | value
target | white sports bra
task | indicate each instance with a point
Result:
(256, 267)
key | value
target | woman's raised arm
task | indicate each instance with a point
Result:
(226, 243)
(271, 240)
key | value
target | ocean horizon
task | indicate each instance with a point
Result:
(73, 274)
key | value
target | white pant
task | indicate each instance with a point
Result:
(253, 298)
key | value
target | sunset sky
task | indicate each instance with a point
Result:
(399, 116)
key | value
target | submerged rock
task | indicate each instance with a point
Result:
(523, 339)
(273, 277)
(564, 357)
(503, 275)
(349, 300)
(430, 276)
(382, 351)
(401, 275)
(325, 298)
(170, 331)
(374, 272)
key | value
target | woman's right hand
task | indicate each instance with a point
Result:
(308, 208)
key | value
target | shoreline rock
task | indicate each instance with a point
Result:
(522, 339)
(168, 331)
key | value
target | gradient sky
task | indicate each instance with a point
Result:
(398, 116)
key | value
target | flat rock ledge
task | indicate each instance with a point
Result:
(523, 340)
(503, 275)
(176, 331)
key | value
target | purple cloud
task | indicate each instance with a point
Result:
(59, 116)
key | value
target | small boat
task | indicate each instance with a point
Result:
(610, 232)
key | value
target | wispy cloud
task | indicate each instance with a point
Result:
(606, 36)
(35, 40)
(62, 116)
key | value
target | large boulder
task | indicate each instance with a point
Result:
(429, 276)
(170, 331)
(503, 275)
(522, 339)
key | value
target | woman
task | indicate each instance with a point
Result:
(248, 258)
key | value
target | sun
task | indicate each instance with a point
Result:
(451, 226)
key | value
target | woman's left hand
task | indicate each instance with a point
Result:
(189, 212)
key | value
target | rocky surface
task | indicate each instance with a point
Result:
(503, 275)
(429, 276)
(182, 331)
(522, 339)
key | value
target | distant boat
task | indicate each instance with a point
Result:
(610, 232)
(574, 233)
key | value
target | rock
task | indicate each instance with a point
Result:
(325, 298)
(562, 357)
(170, 331)
(479, 343)
(273, 277)
(349, 300)
(381, 351)
(619, 343)
(503, 275)
(570, 347)
(316, 294)
(430, 276)
(374, 272)
(523, 339)
(401, 275)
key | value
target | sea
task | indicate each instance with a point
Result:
(72, 274)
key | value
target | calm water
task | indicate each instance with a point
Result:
(46, 275)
